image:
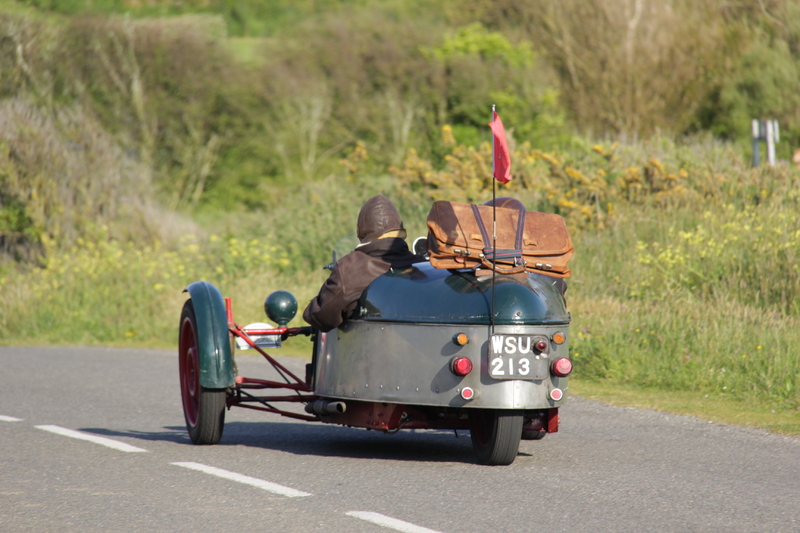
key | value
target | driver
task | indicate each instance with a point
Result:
(382, 247)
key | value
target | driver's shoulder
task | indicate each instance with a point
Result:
(357, 259)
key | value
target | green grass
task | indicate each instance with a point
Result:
(714, 407)
(248, 50)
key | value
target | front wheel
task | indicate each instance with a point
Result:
(203, 409)
(495, 435)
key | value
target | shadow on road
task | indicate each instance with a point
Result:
(327, 441)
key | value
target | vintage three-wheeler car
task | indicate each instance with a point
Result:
(435, 348)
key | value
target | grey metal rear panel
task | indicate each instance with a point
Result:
(410, 364)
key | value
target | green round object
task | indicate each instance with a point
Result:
(281, 306)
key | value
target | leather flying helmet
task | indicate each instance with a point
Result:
(377, 216)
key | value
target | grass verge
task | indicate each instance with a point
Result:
(718, 408)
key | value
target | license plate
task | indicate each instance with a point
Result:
(514, 357)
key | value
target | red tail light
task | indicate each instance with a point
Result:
(562, 367)
(461, 366)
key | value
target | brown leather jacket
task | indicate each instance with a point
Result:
(338, 297)
(382, 247)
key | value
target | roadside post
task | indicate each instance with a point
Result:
(769, 132)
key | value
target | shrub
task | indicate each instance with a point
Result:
(62, 176)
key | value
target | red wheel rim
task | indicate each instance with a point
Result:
(190, 375)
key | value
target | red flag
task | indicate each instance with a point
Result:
(500, 154)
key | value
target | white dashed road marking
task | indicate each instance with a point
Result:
(241, 478)
(4, 418)
(375, 518)
(391, 523)
(117, 445)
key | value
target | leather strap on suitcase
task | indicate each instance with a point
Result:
(460, 236)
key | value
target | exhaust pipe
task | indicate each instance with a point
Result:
(326, 407)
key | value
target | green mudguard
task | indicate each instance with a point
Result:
(213, 341)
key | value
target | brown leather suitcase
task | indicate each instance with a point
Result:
(460, 236)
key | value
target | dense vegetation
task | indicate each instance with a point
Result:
(147, 144)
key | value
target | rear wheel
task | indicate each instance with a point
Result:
(495, 435)
(203, 409)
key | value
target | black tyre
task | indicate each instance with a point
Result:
(533, 434)
(203, 409)
(495, 435)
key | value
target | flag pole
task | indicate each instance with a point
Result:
(494, 222)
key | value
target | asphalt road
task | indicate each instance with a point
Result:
(607, 469)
